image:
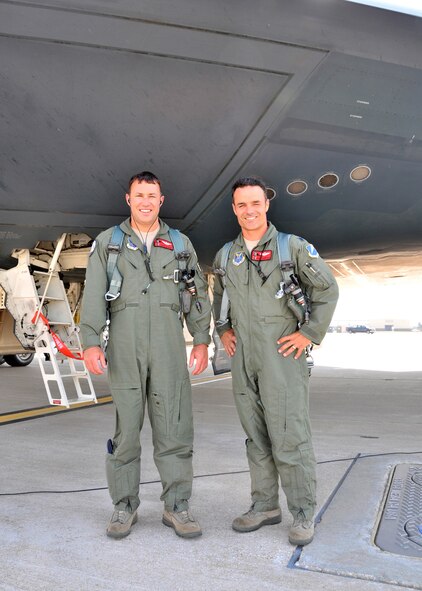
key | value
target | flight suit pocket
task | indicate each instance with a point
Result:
(316, 276)
(117, 307)
(245, 411)
(158, 414)
(183, 418)
(169, 290)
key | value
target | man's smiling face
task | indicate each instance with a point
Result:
(144, 200)
(250, 206)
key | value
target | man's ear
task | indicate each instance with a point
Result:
(127, 199)
(162, 200)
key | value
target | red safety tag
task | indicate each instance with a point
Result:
(262, 255)
(161, 243)
(61, 346)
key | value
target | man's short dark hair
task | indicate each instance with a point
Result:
(146, 177)
(249, 181)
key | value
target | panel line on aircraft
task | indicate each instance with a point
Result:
(153, 39)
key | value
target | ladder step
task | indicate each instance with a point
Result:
(73, 401)
(81, 374)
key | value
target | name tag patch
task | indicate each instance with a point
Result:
(161, 243)
(261, 255)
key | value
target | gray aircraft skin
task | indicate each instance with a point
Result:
(201, 92)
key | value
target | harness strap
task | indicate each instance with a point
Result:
(225, 303)
(176, 237)
(283, 251)
(113, 274)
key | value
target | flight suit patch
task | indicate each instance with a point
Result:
(312, 251)
(161, 243)
(238, 258)
(131, 245)
(261, 255)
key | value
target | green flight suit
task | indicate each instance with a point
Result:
(271, 391)
(146, 358)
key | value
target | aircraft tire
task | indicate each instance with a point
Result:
(19, 360)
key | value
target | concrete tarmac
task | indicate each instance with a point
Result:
(54, 505)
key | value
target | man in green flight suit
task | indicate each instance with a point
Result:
(267, 344)
(146, 354)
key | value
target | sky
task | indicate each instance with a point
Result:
(364, 300)
(407, 6)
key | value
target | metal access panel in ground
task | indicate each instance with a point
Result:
(400, 528)
(372, 529)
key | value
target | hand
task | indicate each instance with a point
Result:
(229, 342)
(95, 360)
(293, 342)
(199, 354)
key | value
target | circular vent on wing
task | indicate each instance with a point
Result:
(328, 180)
(297, 188)
(360, 173)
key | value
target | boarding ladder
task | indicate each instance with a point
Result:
(58, 371)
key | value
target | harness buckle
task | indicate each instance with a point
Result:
(114, 248)
(286, 265)
(176, 276)
(219, 271)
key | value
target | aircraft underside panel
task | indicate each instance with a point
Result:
(201, 93)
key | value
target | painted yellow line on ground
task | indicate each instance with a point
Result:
(33, 413)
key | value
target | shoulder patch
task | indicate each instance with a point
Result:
(238, 258)
(312, 251)
(93, 246)
(131, 245)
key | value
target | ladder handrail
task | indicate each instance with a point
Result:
(51, 270)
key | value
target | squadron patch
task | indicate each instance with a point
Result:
(93, 245)
(131, 245)
(312, 251)
(238, 258)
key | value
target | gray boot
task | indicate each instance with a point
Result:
(253, 520)
(301, 532)
(183, 523)
(120, 523)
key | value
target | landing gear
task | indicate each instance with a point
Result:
(19, 360)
